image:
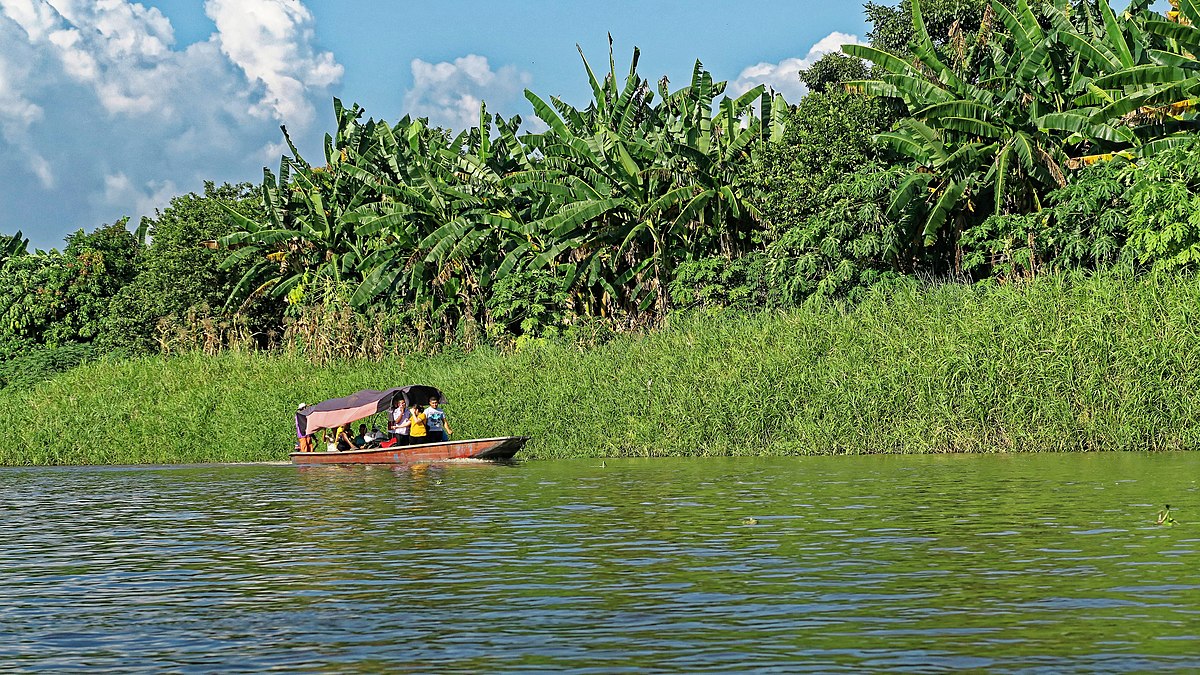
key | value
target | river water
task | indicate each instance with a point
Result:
(1013, 563)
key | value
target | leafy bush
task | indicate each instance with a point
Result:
(38, 365)
(718, 281)
(848, 244)
(1164, 209)
(1143, 215)
(528, 303)
(1085, 227)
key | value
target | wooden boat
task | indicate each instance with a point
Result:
(478, 448)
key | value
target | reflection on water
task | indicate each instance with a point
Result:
(1049, 563)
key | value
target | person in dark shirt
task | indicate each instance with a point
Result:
(344, 442)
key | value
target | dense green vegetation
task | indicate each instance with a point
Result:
(1053, 364)
(973, 142)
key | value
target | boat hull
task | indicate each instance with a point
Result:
(479, 448)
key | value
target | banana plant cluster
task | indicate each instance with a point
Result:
(606, 201)
(12, 246)
(1048, 87)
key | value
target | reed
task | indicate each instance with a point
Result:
(1054, 364)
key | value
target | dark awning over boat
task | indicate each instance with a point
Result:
(338, 411)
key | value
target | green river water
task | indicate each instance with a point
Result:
(1003, 563)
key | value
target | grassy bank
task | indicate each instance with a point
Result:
(1052, 365)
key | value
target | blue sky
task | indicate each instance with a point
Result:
(109, 109)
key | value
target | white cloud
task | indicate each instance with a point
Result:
(152, 194)
(449, 94)
(784, 76)
(272, 42)
(34, 17)
(104, 116)
(17, 112)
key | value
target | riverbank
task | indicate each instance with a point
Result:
(1050, 365)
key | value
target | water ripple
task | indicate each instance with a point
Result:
(921, 564)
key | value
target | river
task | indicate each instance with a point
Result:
(1014, 563)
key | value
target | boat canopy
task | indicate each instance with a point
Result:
(338, 411)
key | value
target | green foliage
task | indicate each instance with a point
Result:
(831, 70)
(529, 303)
(719, 282)
(847, 244)
(59, 298)
(36, 365)
(948, 23)
(1054, 364)
(828, 137)
(1084, 227)
(605, 203)
(177, 274)
(955, 158)
(12, 246)
(1136, 215)
(1164, 209)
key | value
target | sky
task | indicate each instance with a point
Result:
(109, 108)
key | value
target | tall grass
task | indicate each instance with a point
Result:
(1054, 364)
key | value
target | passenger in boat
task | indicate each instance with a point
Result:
(361, 439)
(416, 427)
(374, 436)
(399, 421)
(438, 426)
(304, 441)
(344, 442)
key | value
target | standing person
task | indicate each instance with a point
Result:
(439, 427)
(399, 421)
(416, 427)
(305, 440)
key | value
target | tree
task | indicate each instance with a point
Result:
(828, 137)
(948, 23)
(12, 246)
(831, 70)
(178, 274)
(993, 141)
(59, 298)
(647, 186)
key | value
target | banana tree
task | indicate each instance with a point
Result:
(12, 246)
(642, 186)
(994, 141)
(1151, 82)
(308, 234)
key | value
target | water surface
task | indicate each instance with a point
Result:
(1011, 563)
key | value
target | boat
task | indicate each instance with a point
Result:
(476, 448)
(360, 405)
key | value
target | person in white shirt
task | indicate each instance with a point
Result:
(399, 421)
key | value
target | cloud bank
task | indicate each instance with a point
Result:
(102, 115)
(784, 76)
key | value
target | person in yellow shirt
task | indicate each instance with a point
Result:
(416, 428)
